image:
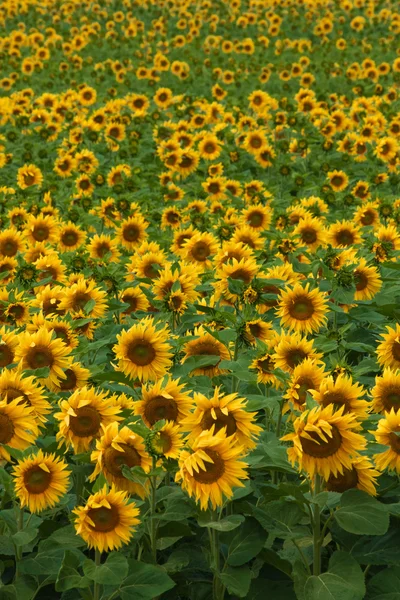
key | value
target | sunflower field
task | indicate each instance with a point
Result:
(199, 299)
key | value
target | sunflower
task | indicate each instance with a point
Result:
(310, 232)
(8, 269)
(257, 216)
(307, 376)
(40, 481)
(165, 400)
(168, 441)
(13, 386)
(71, 237)
(367, 280)
(206, 345)
(82, 416)
(163, 97)
(387, 434)
(43, 228)
(386, 393)
(76, 377)
(209, 147)
(18, 427)
(51, 266)
(40, 350)
(132, 232)
(143, 352)
(367, 215)
(103, 247)
(147, 266)
(292, 349)
(11, 242)
(342, 392)
(48, 299)
(248, 236)
(389, 235)
(81, 293)
(243, 270)
(107, 521)
(388, 351)
(118, 447)
(302, 310)
(136, 300)
(29, 175)
(360, 475)
(257, 329)
(185, 279)
(325, 441)
(227, 412)
(338, 180)
(342, 234)
(9, 342)
(200, 248)
(265, 367)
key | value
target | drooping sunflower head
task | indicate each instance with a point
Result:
(116, 448)
(107, 521)
(302, 309)
(40, 481)
(206, 345)
(325, 441)
(166, 400)
(168, 441)
(211, 469)
(360, 475)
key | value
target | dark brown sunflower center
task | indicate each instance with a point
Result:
(114, 459)
(209, 148)
(152, 270)
(255, 329)
(319, 448)
(159, 408)
(102, 249)
(344, 482)
(266, 365)
(51, 306)
(271, 289)
(216, 417)
(361, 280)
(6, 429)
(29, 179)
(213, 470)
(337, 180)
(394, 440)
(6, 355)
(337, 399)
(391, 398)
(141, 353)
(396, 350)
(241, 274)
(131, 233)
(39, 357)
(69, 383)
(17, 311)
(255, 142)
(309, 236)
(36, 480)
(132, 301)
(305, 384)
(368, 218)
(104, 519)
(80, 299)
(40, 233)
(14, 393)
(163, 442)
(69, 238)
(86, 423)
(295, 357)
(9, 247)
(255, 219)
(301, 308)
(344, 237)
(201, 251)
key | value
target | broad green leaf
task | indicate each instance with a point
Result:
(362, 514)
(44, 563)
(68, 577)
(246, 544)
(177, 561)
(237, 580)
(382, 550)
(112, 572)
(227, 524)
(6, 546)
(279, 517)
(23, 589)
(146, 582)
(25, 536)
(343, 581)
(385, 585)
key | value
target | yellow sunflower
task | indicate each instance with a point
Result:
(360, 475)
(71, 237)
(29, 175)
(388, 351)
(14, 386)
(143, 352)
(200, 248)
(211, 469)
(11, 242)
(118, 447)
(265, 366)
(107, 521)
(76, 377)
(367, 279)
(387, 434)
(325, 441)
(243, 270)
(227, 412)
(292, 349)
(342, 234)
(338, 180)
(206, 345)
(307, 376)
(168, 441)
(18, 427)
(79, 294)
(386, 392)
(136, 300)
(165, 400)
(40, 481)
(302, 310)
(310, 232)
(40, 350)
(9, 342)
(132, 232)
(82, 416)
(342, 391)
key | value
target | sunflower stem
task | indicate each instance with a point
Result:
(235, 380)
(218, 588)
(18, 549)
(316, 523)
(96, 587)
(275, 474)
(153, 524)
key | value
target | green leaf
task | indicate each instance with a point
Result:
(44, 563)
(21, 538)
(6, 546)
(226, 524)
(89, 306)
(385, 585)
(246, 544)
(24, 589)
(146, 582)
(237, 580)
(68, 577)
(177, 561)
(176, 509)
(112, 572)
(343, 581)
(378, 550)
(362, 514)
(65, 536)
(279, 517)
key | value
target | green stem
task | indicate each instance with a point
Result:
(153, 523)
(18, 549)
(218, 588)
(275, 474)
(96, 588)
(235, 380)
(316, 523)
